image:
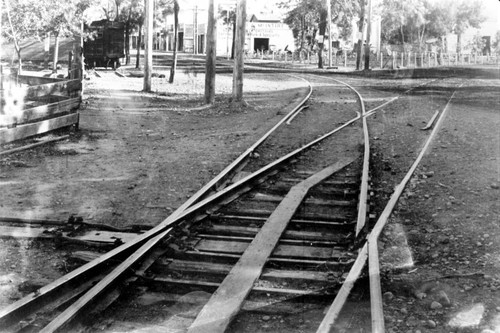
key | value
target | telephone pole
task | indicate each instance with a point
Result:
(368, 32)
(359, 47)
(211, 54)
(329, 9)
(148, 49)
(239, 51)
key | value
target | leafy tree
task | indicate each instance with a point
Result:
(132, 14)
(496, 42)
(228, 17)
(466, 14)
(404, 21)
(308, 17)
(26, 19)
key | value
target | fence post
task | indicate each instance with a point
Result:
(70, 65)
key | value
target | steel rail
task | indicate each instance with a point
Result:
(64, 319)
(370, 252)
(33, 301)
(363, 194)
(378, 325)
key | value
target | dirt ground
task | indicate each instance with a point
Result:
(139, 156)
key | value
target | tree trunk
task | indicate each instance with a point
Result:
(16, 43)
(148, 49)
(402, 36)
(211, 55)
(302, 35)
(139, 42)
(234, 39)
(19, 59)
(459, 43)
(176, 41)
(322, 30)
(127, 38)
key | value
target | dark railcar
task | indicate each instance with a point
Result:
(105, 44)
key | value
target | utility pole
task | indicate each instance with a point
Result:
(148, 49)
(368, 32)
(359, 48)
(211, 54)
(239, 51)
(195, 27)
(329, 9)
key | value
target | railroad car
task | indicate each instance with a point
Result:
(104, 44)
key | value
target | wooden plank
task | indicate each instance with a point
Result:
(431, 122)
(285, 251)
(33, 145)
(309, 201)
(309, 215)
(51, 88)
(24, 131)
(226, 302)
(18, 232)
(61, 321)
(214, 285)
(97, 236)
(44, 111)
(291, 234)
(101, 236)
(218, 268)
(36, 80)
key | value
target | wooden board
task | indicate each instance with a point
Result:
(52, 109)
(97, 236)
(291, 234)
(19, 232)
(225, 303)
(52, 88)
(217, 268)
(286, 251)
(24, 131)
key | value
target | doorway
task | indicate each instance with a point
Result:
(261, 44)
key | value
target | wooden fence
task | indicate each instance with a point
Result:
(33, 105)
(392, 61)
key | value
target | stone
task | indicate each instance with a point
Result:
(431, 324)
(469, 317)
(388, 296)
(266, 318)
(443, 298)
(436, 305)
(420, 295)
(495, 186)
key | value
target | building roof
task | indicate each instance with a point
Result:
(265, 18)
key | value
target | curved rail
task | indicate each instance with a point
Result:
(33, 301)
(87, 300)
(370, 249)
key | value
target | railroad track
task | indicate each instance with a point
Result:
(279, 228)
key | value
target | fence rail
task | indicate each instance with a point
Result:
(393, 60)
(33, 105)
